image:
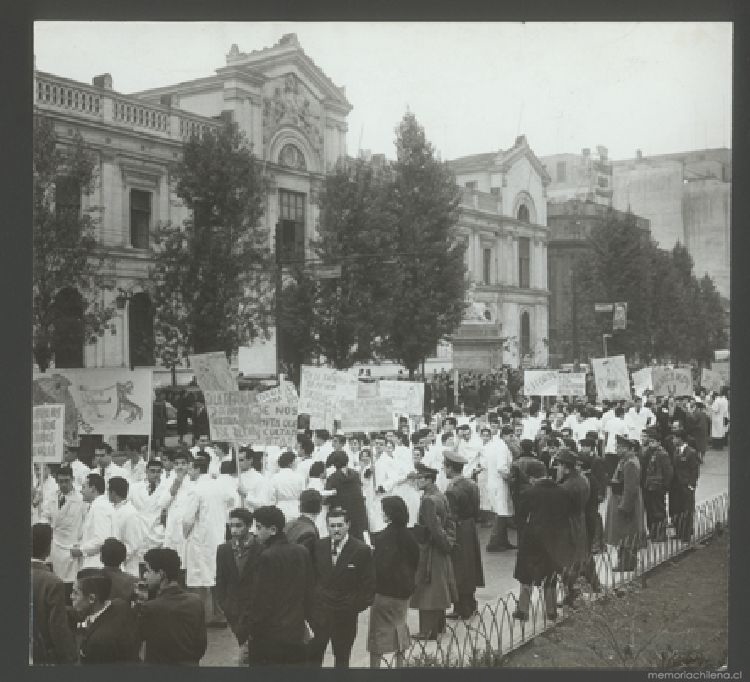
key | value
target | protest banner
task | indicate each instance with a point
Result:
(711, 380)
(277, 424)
(540, 382)
(259, 358)
(367, 389)
(407, 396)
(212, 372)
(611, 377)
(109, 401)
(320, 386)
(54, 389)
(722, 369)
(571, 383)
(283, 392)
(642, 381)
(668, 381)
(47, 435)
(368, 414)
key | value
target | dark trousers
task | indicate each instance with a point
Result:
(656, 513)
(68, 593)
(627, 558)
(431, 623)
(681, 509)
(272, 652)
(340, 629)
(594, 529)
(466, 604)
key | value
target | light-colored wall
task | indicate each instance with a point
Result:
(522, 177)
(210, 103)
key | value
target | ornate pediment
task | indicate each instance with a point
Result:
(288, 102)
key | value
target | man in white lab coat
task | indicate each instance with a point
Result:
(179, 493)
(65, 513)
(127, 524)
(638, 418)
(97, 525)
(204, 448)
(204, 526)
(150, 498)
(104, 466)
(287, 484)
(498, 459)
(254, 488)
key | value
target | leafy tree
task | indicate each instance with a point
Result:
(212, 277)
(428, 287)
(297, 344)
(65, 253)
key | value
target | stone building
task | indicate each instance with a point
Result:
(292, 114)
(503, 220)
(570, 223)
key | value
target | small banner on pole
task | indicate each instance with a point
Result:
(620, 316)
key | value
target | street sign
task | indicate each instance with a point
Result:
(620, 316)
(603, 307)
(320, 271)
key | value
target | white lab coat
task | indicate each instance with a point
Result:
(110, 471)
(258, 487)
(207, 506)
(174, 537)
(150, 508)
(719, 409)
(214, 466)
(98, 525)
(137, 473)
(531, 427)
(638, 421)
(386, 473)
(80, 471)
(287, 485)
(498, 460)
(615, 427)
(407, 490)
(128, 528)
(67, 524)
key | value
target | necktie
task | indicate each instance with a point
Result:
(61, 502)
(335, 551)
(151, 488)
(101, 471)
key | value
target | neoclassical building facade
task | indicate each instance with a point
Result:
(293, 116)
(503, 220)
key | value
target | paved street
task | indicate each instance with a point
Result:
(498, 572)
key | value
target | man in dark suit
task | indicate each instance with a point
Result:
(172, 621)
(686, 463)
(109, 632)
(281, 596)
(53, 640)
(345, 586)
(236, 562)
(200, 421)
(303, 530)
(123, 584)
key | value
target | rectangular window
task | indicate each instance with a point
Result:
(67, 197)
(561, 171)
(471, 185)
(487, 266)
(524, 262)
(140, 218)
(291, 225)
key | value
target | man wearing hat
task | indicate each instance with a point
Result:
(624, 526)
(435, 587)
(594, 470)
(682, 492)
(463, 498)
(698, 425)
(656, 473)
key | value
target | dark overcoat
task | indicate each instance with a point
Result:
(579, 490)
(463, 501)
(348, 486)
(625, 520)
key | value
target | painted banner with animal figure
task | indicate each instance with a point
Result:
(47, 436)
(107, 401)
(611, 377)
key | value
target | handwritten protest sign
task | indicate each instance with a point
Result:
(407, 396)
(367, 389)
(571, 383)
(321, 391)
(212, 372)
(722, 369)
(109, 402)
(367, 414)
(540, 382)
(668, 381)
(284, 392)
(47, 437)
(642, 381)
(711, 380)
(259, 358)
(611, 377)
(238, 417)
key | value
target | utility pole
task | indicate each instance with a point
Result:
(574, 314)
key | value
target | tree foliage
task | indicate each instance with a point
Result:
(211, 281)
(65, 253)
(671, 314)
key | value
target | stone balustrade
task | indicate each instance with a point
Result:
(53, 93)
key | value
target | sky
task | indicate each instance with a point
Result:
(654, 87)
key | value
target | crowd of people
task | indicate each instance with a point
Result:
(133, 561)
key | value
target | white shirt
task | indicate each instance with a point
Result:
(259, 490)
(638, 421)
(174, 538)
(531, 426)
(320, 454)
(214, 466)
(97, 527)
(110, 471)
(128, 528)
(135, 473)
(615, 427)
(149, 507)
(339, 547)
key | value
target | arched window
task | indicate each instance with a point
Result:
(525, 333)
(523, 213)
(67, 337)
(141, 331)
(292, 157)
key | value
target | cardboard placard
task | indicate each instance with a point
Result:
(47, 435)
(259, 358)
(722, 369)
(407, 396)
(611, 377)
(711, 380)
(540, 382)
(321, 386)
(212, 372)
(367, 414)
(642, 381)
(668, 381)
(108, 401)
(571, 383)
